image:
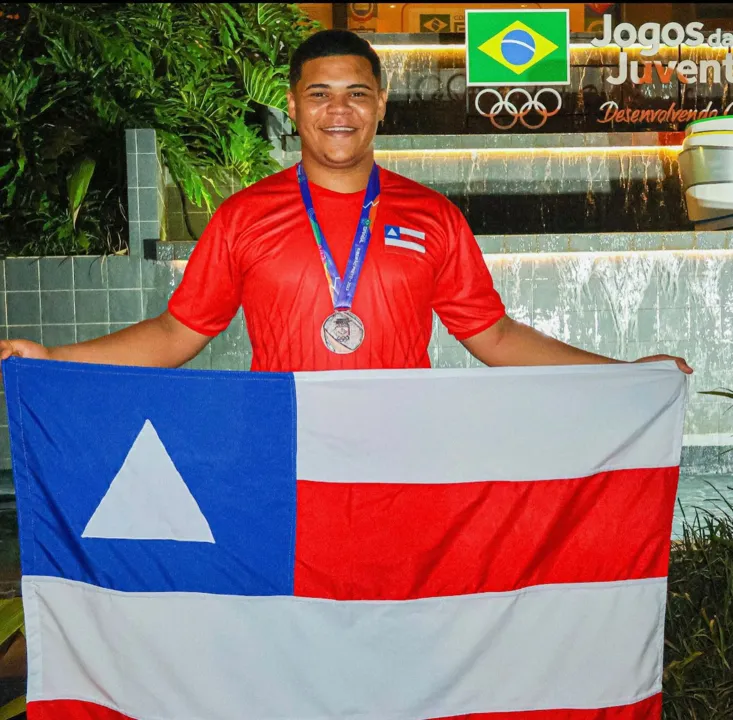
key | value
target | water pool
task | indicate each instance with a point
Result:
(701, 491)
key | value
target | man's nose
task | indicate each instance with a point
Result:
(339, 105)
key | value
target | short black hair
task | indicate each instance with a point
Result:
(328, 43)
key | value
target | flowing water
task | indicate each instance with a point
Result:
(706, 493)
(628, 305)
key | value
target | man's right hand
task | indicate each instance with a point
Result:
(159, 342)
(23, 348)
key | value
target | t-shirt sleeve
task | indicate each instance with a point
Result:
(465, 299)
(210, 292)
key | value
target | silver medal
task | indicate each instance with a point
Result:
(342, 332)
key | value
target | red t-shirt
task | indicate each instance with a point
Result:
(258, 251)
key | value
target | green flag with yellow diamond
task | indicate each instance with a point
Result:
(517, 47)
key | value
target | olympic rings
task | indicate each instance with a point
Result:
(521, 112)
(433, 87)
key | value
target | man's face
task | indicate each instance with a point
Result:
(336, 107)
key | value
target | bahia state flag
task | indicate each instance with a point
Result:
(380, 545)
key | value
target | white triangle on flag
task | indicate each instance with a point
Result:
(148, 499)
(392, 232)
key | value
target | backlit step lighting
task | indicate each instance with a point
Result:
(551, 256)
(583, 150)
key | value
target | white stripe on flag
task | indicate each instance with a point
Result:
(412, 233)
(407, 244)
(445, 426)
(191, 655)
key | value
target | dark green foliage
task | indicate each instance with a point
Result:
(698, 675)
(74, 76)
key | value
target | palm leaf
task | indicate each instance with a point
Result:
(265, 85)
(272, 14)
(11, 618)
(13, 708)
(114, 47)
(720, 393)
(15, 89)
(78, 184)
(11, 622)
(198, 73)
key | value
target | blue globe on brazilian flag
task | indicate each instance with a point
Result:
(517, 47)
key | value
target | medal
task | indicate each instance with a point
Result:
(343, 332)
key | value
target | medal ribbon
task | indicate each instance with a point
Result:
(342, 291)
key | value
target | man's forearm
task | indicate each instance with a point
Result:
(151, 343)
(513, 343)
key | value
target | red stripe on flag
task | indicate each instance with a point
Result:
(360, 541)
(650, 709)
(71, 710)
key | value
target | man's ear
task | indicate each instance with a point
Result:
(291, 105)
(382, 104)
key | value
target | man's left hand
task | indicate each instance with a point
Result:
(681, 364)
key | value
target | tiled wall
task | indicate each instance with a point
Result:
(57, 301)
(145, 189)
(198, 217)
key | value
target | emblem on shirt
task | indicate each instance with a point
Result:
(403, 237)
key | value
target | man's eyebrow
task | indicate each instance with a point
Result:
(349, 87)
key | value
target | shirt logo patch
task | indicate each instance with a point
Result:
(395, 236)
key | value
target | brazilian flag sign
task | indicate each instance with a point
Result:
(517, 47)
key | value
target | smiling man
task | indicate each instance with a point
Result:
(338, 263)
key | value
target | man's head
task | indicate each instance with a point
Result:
(335, 97)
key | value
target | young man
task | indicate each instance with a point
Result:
(337, 263)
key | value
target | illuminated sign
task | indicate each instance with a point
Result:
(651, 36)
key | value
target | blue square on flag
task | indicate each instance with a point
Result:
(156, 468)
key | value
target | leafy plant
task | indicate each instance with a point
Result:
(12, 625)
(74, 76)
(698, 674)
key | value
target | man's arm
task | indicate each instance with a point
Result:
(508, 342)
(160, 342)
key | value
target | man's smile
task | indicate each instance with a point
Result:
(339, 130)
